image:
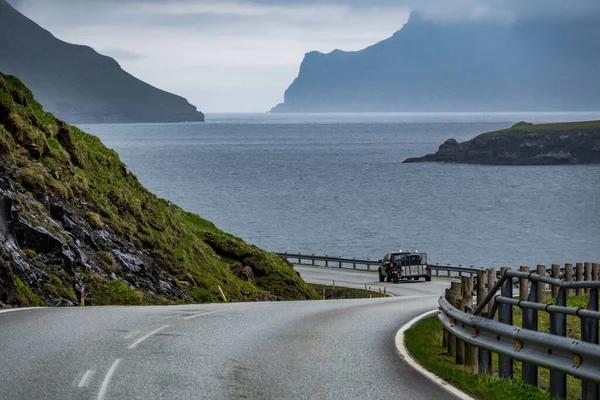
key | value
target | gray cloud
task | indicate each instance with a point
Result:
(240, 55)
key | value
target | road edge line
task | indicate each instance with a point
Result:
(20, 309)
(405, 355)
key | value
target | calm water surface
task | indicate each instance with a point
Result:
(335, 184)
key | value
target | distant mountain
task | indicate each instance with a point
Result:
(529, 65)
(76, 83)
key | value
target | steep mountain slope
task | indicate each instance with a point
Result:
(73, 215)
(78, 84)
(531, 65)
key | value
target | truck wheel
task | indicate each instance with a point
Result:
(428, 279)
(395, 278)
(381, 277)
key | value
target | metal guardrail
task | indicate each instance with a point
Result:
(341, 262)
(561, 354)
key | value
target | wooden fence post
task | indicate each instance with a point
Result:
(524, 284)
(569, 277)
(579, 271)
(555, 275)
(541, 294)
(587, 275)
(595, 272)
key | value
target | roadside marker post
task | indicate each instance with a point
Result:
(222, 294)
(82, 296)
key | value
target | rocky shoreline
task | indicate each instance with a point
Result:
(525, 144)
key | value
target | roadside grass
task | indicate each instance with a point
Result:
(329, 293)
(424, 341)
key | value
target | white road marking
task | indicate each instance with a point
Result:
(131, 334)
(107, 378)
(199, 315)
(85, 379)
(140, 340)
(403, 351)
(21, 309)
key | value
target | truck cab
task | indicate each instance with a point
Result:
(404, 264)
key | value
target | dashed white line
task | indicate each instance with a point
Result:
(85, 379)
(140, 340)
(199, 315)
(107, 378)
(131, 334)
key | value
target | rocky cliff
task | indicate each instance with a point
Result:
(536, 65)
(78, 84)
(73, 215)
(525, 144)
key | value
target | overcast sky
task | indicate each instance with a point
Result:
(241, 55)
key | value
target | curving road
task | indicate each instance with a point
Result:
(340, 349)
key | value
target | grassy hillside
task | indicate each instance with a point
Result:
(560, 128)
(79, 217)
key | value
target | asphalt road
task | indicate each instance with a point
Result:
(337, 349)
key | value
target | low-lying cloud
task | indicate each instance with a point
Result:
(240, 55)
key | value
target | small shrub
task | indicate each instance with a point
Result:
(29, 253)
(25, 296)
(95, 220)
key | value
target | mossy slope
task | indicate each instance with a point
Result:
(73, 214)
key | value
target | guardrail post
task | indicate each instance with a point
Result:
(460, 345)
(327, 263)
(523, 284)
(541, 289)
(470, 352)
(555, 275)
(481, 287)
(579, 271)
(530, 321)
(505, 316)
(453, 293)
(558, 326)
(569, 277)
(491, 279)
(587, 275)
(589, 333)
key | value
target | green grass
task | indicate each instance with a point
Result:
(556, 128)
(424, 342)
(331, 293)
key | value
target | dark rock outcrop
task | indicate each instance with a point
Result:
(525, 144)
(544, 64)
(76, 83)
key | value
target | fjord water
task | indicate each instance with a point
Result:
(335, 184)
